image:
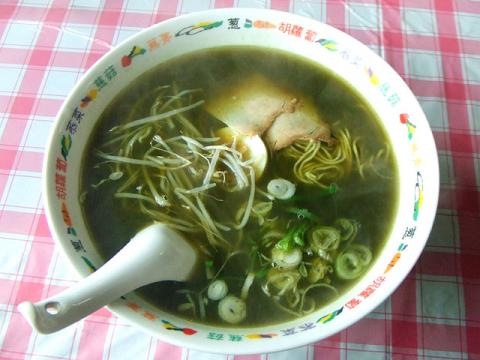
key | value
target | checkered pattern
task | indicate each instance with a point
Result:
(46, 45)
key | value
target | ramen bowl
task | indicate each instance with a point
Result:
(395, 106)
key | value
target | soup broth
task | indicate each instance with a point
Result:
(279, 238)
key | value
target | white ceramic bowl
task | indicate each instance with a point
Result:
(394, 103)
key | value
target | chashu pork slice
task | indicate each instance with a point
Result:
(248, 106)
(257, 106)
(300, 123)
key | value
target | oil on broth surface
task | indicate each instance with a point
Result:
(337, 224)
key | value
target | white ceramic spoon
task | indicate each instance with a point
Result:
(156, 253)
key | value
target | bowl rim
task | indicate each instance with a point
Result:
(227, 347)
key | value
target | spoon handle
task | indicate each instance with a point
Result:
(145, 259)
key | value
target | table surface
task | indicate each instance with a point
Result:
(46, 46)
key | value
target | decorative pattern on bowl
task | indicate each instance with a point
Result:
(400, 113)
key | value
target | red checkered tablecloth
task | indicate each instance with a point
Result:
(45, 47)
